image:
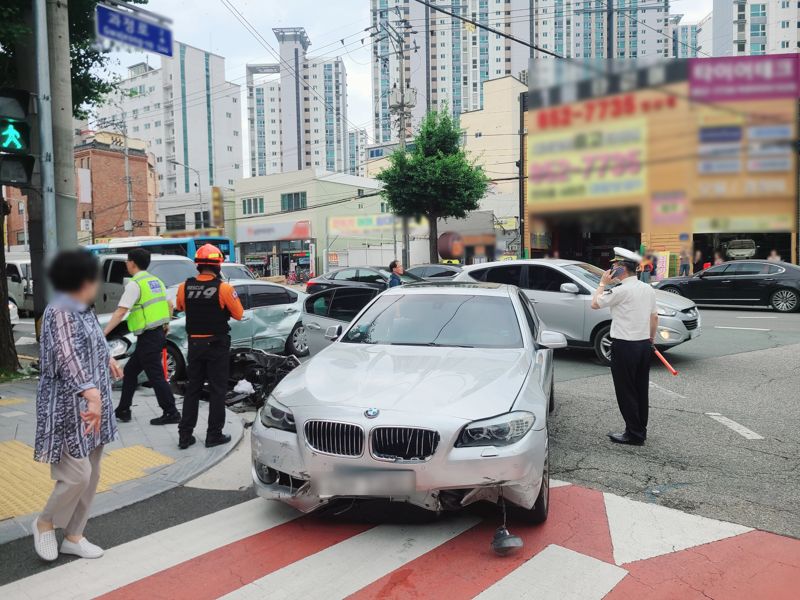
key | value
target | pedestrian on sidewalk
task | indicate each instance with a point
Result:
(74, 410)
(396, 270)
(145, 302)
(684, 263)
(634, 319)
(209, 303)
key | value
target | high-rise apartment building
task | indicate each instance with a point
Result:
(705, 36)
(297, 109)
(357, 152)
(684, 38)
(745, 27)
(446, 60)
(190, 118)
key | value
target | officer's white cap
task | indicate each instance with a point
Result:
(621, 254)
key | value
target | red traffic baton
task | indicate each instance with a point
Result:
(164, 362)
(664, 361)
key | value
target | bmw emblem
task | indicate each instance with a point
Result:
(371, 413)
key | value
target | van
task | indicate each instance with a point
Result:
(20, 281)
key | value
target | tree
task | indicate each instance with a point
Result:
(91, 78)
(436, 180)
(8, 352)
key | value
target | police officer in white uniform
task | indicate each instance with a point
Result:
(634, 318)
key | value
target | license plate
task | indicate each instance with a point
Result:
(364, 482)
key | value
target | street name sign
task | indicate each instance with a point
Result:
(134, 27)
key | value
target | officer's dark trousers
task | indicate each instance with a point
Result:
(630, 369)
(147, 357)
(209, 361)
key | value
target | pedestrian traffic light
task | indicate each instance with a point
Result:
(16, 162)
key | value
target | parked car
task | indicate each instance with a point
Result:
(371, 277)
(562, 292)
(435, 272)
(20, 281)
(13, 313)
(435, 394)
(737, 249)
(236, 271)
(172, 270)
(741, 282)
(332, 308)
(272, 322)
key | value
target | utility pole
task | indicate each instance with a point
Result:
(128, 184)
(66, 203)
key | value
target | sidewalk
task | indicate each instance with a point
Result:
(142, 462)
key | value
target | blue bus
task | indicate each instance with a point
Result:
(179, 246)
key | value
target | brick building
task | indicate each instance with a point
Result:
(101, 191)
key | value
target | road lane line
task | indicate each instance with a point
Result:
(653, 384)
(25, 341)
(345, 568)
(738, 428)
(756, 317)
(129, 562)
(741, 328)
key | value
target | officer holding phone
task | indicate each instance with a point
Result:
(634, 319)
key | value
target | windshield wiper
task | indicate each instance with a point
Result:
(430, 345)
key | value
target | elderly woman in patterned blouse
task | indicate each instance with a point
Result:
(74, 410)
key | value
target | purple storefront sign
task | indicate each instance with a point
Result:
(744, 78)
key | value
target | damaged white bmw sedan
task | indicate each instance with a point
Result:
(435, 394)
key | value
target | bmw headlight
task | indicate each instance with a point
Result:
(117, 347)
(274, 414)
(502, 430)
(663, 311)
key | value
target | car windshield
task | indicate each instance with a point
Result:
(236, 272)
(172, 272)
(406, 277)
(587, 273)
(454, 320)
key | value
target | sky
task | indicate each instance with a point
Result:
(209, 25)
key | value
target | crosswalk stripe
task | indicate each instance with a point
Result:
(550, 574)
(140, 558)
(352, 564)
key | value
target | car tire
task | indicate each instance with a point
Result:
(538, 514)
(672, 290)
(552, 405)
(176, 365)
(785, 300)
(602, 345)
(296, 343)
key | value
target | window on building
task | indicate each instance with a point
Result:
(758, 30)
(293, 201)
(176, 222)
(253, 206)
(202, 220)
(758, 10)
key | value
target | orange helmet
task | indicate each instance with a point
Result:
(209, 254)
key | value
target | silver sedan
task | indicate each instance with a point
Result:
(435, 394)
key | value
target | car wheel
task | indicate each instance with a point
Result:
(552, 406)
(785, 301)
(297, 343)
(672, 290)
(538, 514)
(602, 345)
(176, 366)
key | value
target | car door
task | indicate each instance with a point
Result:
(507, 274)
(751, 281)
(113, 284)
(273, 309)
(344, 277)
(371, 278)
(543, 357)
(560, 311)
(242, 331)
(330, 309)
(711, 285)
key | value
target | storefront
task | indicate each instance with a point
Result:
(694, 155)
(273, 249)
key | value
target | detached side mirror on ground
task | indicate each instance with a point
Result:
(569, 288)
(553, 339)
(333, 332)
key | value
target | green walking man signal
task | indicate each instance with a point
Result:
(16, 160)
(14, 136)
(11, 137)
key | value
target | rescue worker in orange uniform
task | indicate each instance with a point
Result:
(208, 303)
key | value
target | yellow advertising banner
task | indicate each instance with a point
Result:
(582, 164)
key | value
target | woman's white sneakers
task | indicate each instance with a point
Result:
(84, 548)
(45, 542)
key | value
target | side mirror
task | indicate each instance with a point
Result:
(569, 288)
(333, 332)
(15, 278)
(552, 339)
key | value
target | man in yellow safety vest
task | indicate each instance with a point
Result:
(145, 302)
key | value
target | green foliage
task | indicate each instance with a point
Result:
(91, 77)
(436, 180)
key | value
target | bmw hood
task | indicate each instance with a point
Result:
(673, 301)
(468, 383)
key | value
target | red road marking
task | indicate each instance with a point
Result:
(230, 567)
(751, 565)
(465, 566)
